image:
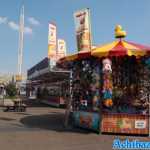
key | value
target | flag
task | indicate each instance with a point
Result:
(83, 29)
(61, 48)
(52, 41)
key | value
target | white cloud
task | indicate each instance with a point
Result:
(28, 30)
(3, 20)
(15, 26)
(33, 21)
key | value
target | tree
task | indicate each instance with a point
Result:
(11, 90)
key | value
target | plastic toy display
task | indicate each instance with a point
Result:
(111, 87)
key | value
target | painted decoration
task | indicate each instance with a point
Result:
(87, 120)
(61, 48)
(107, 83)
(124, 123)
(52, 44)
(83, 29)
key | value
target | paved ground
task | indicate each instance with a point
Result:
(41, 128)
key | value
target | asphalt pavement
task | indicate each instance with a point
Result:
(41, 128)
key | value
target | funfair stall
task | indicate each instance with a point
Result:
(111, 87)
(47, 85)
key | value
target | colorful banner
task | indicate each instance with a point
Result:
(61, 48)
(52, 42)
(124, 123)
(83, 29)
(86, 120)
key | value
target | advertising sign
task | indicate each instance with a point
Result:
(61, 48)
(122, 123)
(83, 29)
(18, 77)
(52, 42)
(87, 120)
(140, 124)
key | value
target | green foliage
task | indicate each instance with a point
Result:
(11, 90)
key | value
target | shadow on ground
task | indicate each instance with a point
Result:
(6, 119)
(34, 103)
(38, 103)
(53, 121)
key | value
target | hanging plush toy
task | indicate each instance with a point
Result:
(107, 82)
(107, 65)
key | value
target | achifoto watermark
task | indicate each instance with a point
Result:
(134, 144)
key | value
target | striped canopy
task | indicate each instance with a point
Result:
(121, 48)
(78, 55)
(116, 48)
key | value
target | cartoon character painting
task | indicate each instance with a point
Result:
(107, 82)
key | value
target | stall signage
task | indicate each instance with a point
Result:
(140, 124)
(123, 123)
(83, 29)
(52, 42)
(86, 120)
(61, 48)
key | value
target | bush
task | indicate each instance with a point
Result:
(11, 90)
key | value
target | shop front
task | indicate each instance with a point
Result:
(111, 88)
(48, 85)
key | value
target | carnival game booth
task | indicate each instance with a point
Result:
(46, 84)
(111, 87)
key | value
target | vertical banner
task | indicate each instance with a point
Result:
(52, 43)
(83, 29)
(61, 48)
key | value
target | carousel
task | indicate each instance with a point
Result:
(110, 87)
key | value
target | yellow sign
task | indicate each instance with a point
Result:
(61, 48)
(52, 41)
(83, 29)
(18, 77)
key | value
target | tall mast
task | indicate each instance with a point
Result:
(21, 38)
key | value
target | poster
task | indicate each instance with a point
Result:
(86, 120)
(122, 123)
(83, 29)
(61, 48)
(140, 124)
(52, 43)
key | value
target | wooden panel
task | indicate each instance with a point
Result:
(124, 123)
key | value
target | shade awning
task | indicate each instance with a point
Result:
(76, 56)
(121, 48)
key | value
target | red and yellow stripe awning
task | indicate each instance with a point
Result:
(121, 48)
(115, 48)
(78, 55)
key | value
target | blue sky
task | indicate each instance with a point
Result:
(133, 15)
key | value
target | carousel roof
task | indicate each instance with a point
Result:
(120, 48)
(78, 55)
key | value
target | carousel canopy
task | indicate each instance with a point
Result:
(78, 55)
(121, 48)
